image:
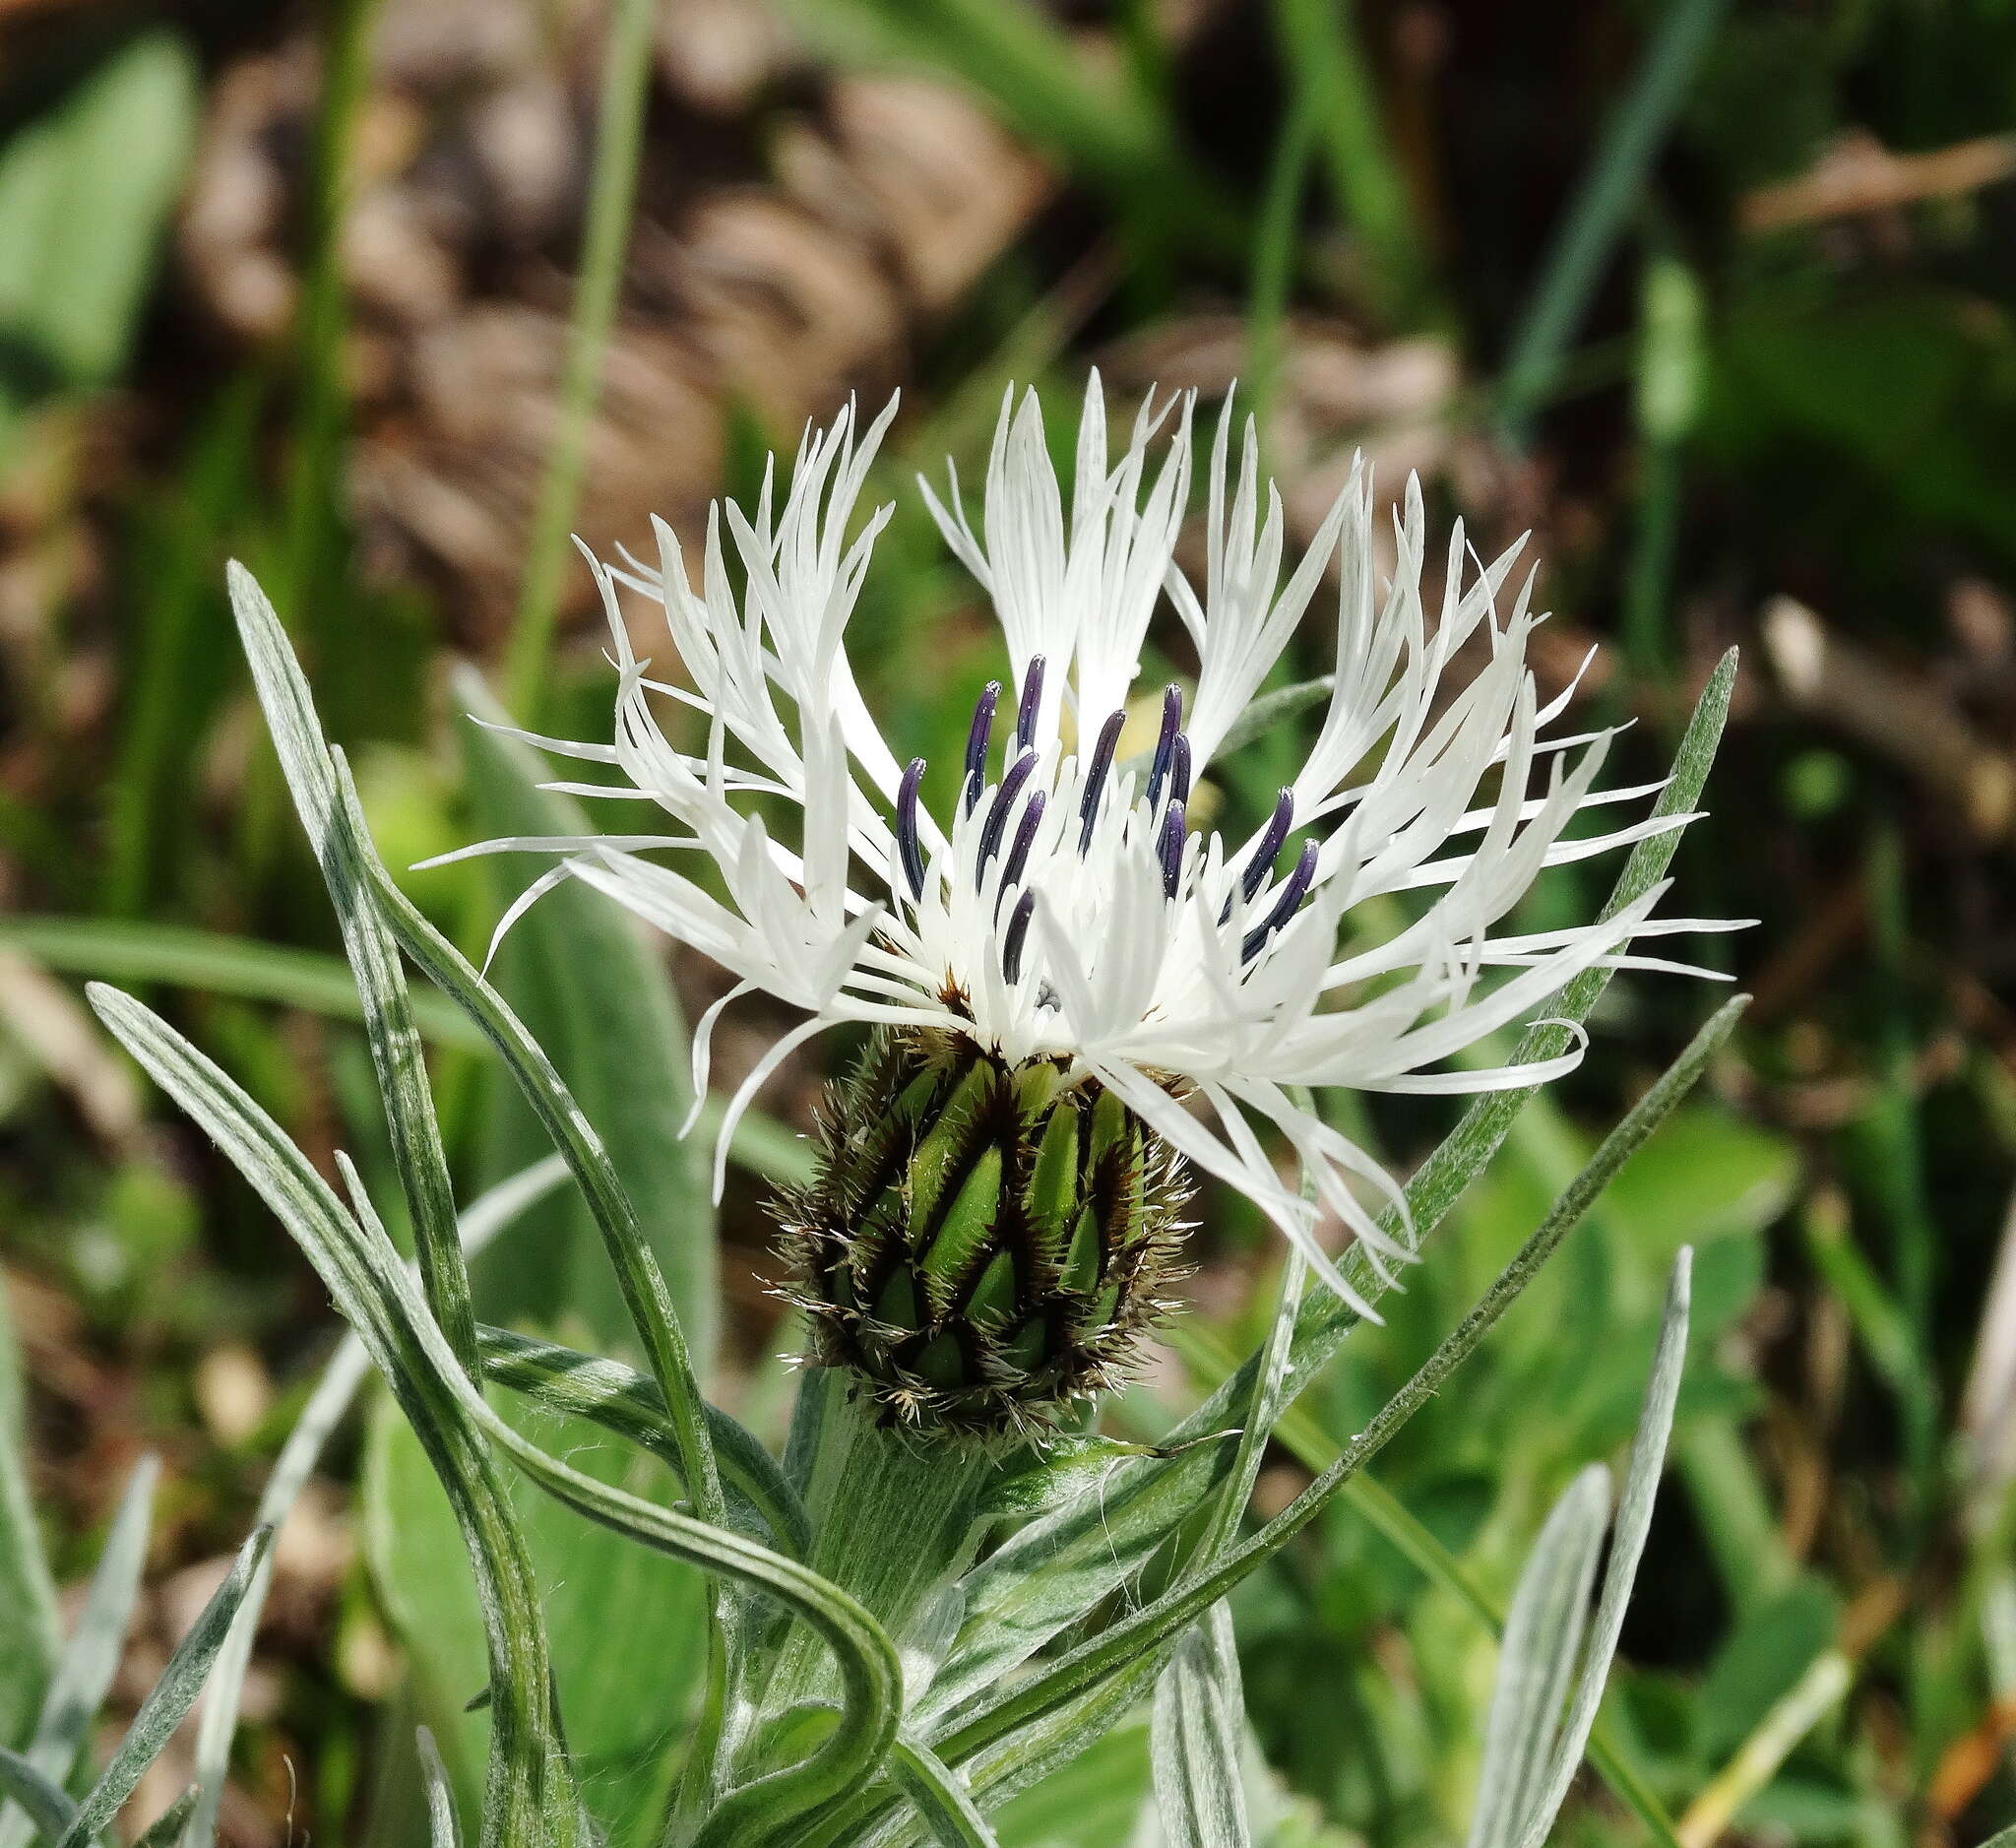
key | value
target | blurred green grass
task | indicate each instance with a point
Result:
(1667, 319)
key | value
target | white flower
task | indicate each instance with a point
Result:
(1065, 909)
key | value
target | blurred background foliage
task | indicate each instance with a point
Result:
(386, 296)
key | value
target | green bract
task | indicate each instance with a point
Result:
(982, 1244)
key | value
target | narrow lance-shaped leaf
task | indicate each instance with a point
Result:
(622, 1400)
(486, 1216)
(530, 1793)
(1061, 1565)
(27, 1592)
(389, 1023)
(167, 1828)
(644, 1285)
(169, 1700)
(372, 1289)
(91, 1658)
(1536, 1661)
(48, 1807)
(1628, 1546)
(443, 1831)
(950, 1816)
(1194, 1739)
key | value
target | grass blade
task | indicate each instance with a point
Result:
(1194, 1739)
(111, 950)
(85, 1668)
(169, 1700)
(611, 191)
(1616, 172)
(1319, 42)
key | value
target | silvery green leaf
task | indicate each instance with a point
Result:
(950, 1817)
(622, 1400)
(1194, 1741)
(1627, 1547)
(530, 1793)
(643, 1284)
(372, 1289)
(389, 1026)
(595, 995)
(27, 1592)
(990, 1719)
(443, 1831)
(485, 1216)
(50, 1808)
(1041, 1580)
(1536, 1661)
(169, 1700)
(91, 1658)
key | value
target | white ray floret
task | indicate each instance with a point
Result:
(1063, 908)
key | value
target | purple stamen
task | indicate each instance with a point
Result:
(1170, 846)
(1032, 698)
(1017, 935)
(1165, 743)
(976, 738)
(1096, 769)
(1025, 839)
(1285, 906)
(1005, 800)
(1268, 844)
(908, 845)
(1180, 770)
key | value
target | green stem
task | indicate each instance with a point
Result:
(612, 190)
(1273, 263)
(863, 1482)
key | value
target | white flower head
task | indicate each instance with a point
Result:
(1065, 909)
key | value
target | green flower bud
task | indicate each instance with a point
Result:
(984, 1244)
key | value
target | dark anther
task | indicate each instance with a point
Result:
(1172, 849)
(1098, 766)
(977, 736)
(1025, 839)
(1017, 935)
(1032, 698)
(1180, 770)
(1285, 906)
(908, 845)
(1005, 800)
(1165, 743)
(1268, 844)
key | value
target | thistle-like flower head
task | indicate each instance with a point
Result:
(1062, 913)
